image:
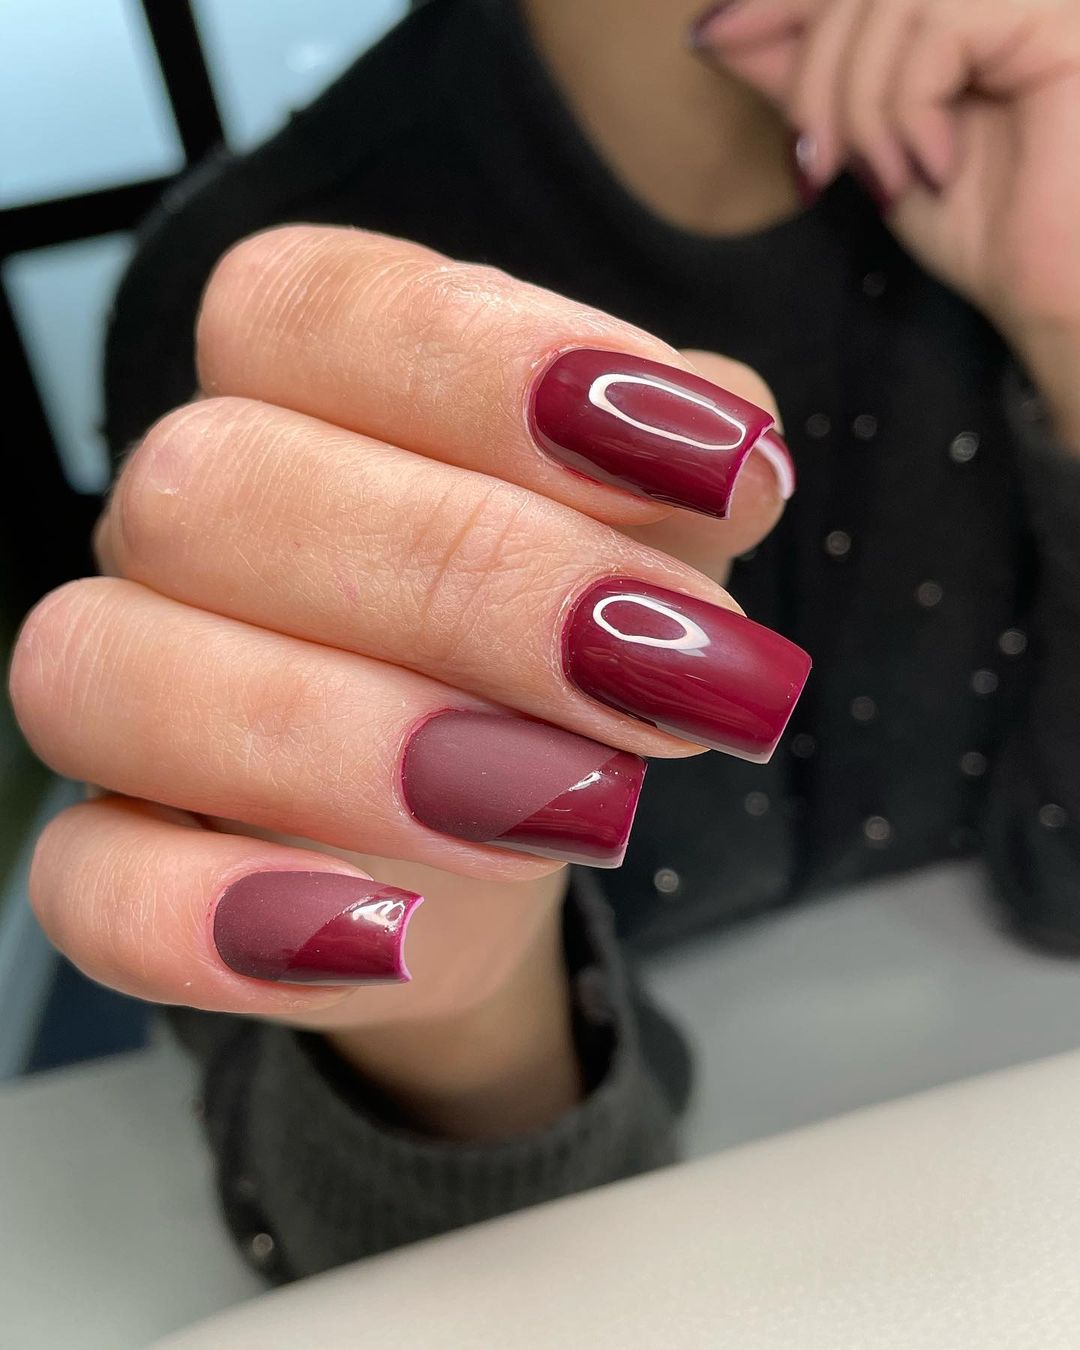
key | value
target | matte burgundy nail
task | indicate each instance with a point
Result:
(314, 928)
(522, 785)
(698, 670)
(658, 431)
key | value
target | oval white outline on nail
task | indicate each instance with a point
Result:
(693, 639)
(598, 397)
(387, 912)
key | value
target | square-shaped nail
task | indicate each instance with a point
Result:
(653, 429)
(314, 928)
(689, 667)
(522, 785)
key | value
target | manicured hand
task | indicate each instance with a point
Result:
(401, 584)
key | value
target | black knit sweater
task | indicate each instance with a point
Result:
(930, 563)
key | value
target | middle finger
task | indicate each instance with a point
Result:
(269, 516)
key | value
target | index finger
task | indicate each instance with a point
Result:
(466, 365)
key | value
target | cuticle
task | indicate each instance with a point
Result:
(407, 737)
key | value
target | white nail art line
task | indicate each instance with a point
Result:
(693, 636)
(598, 397)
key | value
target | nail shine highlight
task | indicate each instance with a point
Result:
(314, 928)
(652, 429)
(698, 670)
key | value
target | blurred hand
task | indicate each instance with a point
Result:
(963, 116)
(409, 581)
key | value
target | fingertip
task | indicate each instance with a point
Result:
(773, 449)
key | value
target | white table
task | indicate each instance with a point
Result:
(108, 1227)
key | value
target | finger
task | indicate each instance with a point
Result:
(118, 686)
(145, 900)
(999, 48)
(816, 95)
(757, 41)
(150, 903)
(883, 30)
(744, 24)
(934, 71)
(710, 545)
(477, 583)
(466, 365)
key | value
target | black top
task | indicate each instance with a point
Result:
(929, 562)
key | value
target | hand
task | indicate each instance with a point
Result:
(370, 596)
(964, 114)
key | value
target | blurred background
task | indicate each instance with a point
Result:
(103, 104)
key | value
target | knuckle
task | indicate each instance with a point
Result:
(45, 866)
(248, 280)
(467, 559)
(287, 716)
(73, 862)
(449, 312)
(49, 649)
(149, 498)
(48, 868)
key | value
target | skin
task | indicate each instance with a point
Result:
(105, 682)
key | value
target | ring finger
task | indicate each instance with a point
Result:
(225, 720)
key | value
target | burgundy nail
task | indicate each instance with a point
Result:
(661, 432)
(522, 785)
(700, 671)
(314, 928)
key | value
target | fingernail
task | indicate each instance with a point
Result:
(698, 670)
(867, 178)
(698, 32)
(803, 157)
(314, 928)
(522, 785)
(656, 430)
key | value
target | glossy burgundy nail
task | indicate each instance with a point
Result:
(314, 928)
(658, 431)
(703, 672)
(522, 785)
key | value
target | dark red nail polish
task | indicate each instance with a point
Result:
(703, 672)
(314, 928)
(522, 785)
(658, 431)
